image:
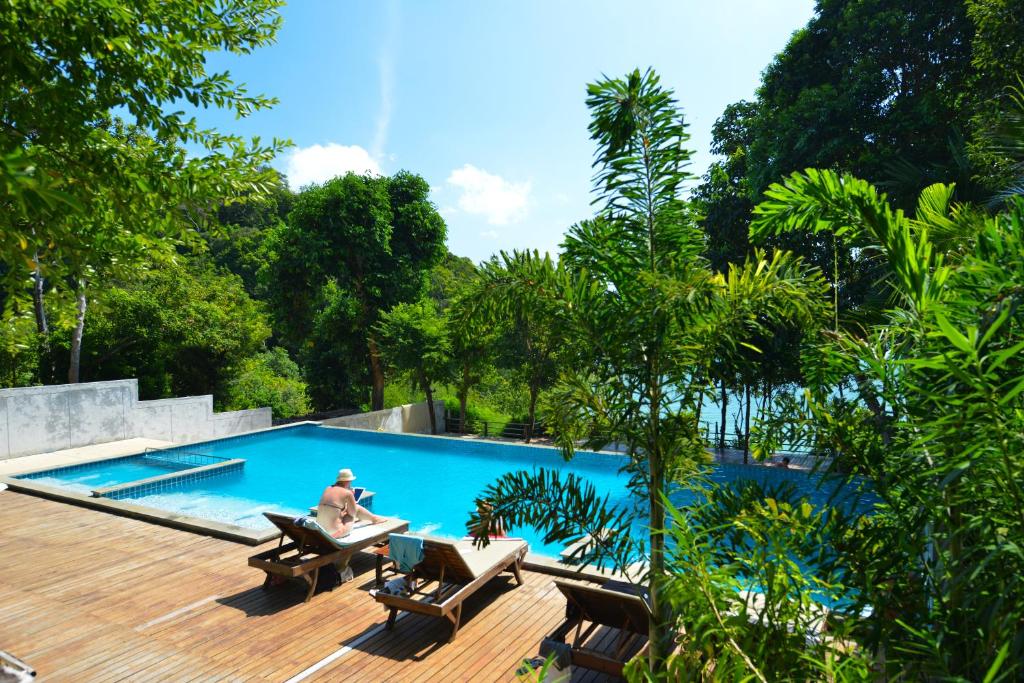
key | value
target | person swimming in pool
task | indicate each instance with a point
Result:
(338, 510)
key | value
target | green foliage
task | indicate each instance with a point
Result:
(352, 248)
(96, 176)
(566, 508)
(833, 99)
(1003, 140)
(180, 331)
(942, 446)
(518, 294)
(332, 356)
(19, 352)
(449, 279)
(237, 243)
(268, 379)
(67, 65)
(645, 318)
(748, 567)
(724, 198)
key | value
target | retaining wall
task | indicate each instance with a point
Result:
(52, 418)
(411, 418)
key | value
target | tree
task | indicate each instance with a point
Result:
(937, 424)
(126, 190)
(119, 231)
(866, 87)
(517, 291)
(474, 339)
(181, 330)
(647, 318)
(353, 247)
(68, 65)
(450, 279)
(236, 241)
(413, 338)
(898, 93)
(268, 379)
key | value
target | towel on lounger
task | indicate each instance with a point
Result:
(406, 551)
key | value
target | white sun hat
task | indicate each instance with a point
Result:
(345, 475)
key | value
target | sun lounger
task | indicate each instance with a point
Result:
(311, 548)
(450, 572)
(616, 605)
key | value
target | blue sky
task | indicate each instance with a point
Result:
(486, 99)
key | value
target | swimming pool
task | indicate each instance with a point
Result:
(429, 481)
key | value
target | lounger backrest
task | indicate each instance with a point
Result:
(438, 554)
(307, 539)
(607, 607)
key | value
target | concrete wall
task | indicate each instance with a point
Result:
(410, 418)
(52, 418)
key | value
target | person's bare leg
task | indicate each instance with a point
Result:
(363, 513)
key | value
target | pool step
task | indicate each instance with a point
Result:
(163, 482)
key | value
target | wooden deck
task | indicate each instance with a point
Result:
(89, 596)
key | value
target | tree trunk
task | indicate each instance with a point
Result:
(376, 376)
(463, 398)
(725, 404)
(746, 427)
(76, 337)
(534, 390)
(657, 649)
(42, 325)
(430, 406)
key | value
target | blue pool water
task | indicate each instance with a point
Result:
(85, 478)
(431, 482)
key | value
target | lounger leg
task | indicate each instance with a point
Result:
(515, 571)
(455, 621)
(312, 583)
(391, 618)
(267, 582)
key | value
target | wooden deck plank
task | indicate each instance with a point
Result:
(89, 596)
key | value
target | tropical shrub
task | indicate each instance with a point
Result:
(269, 379)
(940, 428)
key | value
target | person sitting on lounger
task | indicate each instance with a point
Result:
(338, 511)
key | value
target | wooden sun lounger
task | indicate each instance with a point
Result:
(458, 570)
(619, 609)
(310, 549)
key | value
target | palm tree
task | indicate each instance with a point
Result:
(646, 319)
(518, 291)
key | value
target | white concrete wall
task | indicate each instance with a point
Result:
(52, 418)
(411, 418)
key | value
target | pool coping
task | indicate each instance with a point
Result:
(460, 438)
(206, 527)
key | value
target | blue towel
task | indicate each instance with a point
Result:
(406, 551)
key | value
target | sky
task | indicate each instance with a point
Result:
(486, 100)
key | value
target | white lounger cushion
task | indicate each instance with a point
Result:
(479, 560)
(360, 533)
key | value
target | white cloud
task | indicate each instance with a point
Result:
(498, 200)
(317, 163)
(489, 234)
